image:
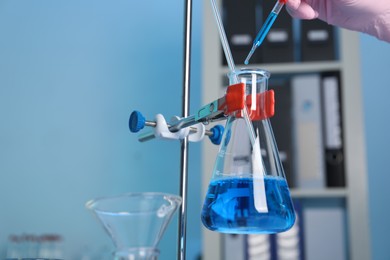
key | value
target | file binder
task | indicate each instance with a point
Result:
(278, 46)
(317, 41)
(289, 245)
(333, 137)
(240, 26)
(235, 247)
(282, 123)
(325, 229)
(307, 129)
(260, 246)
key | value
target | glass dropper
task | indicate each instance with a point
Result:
(265, 28)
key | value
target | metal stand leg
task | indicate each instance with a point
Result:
(184, 144)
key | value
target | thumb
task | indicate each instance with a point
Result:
(293, 4)
(303, 11)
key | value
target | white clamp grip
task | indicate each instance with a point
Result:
(199, 134)
(161, 130)
(195, 134)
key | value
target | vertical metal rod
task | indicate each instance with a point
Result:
(181, 254)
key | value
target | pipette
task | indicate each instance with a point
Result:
(265, 28)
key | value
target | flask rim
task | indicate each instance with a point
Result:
(264, 73)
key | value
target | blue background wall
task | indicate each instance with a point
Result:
(375, 59)
(70, 74)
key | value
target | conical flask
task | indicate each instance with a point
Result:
(135, 222)
(248, 192)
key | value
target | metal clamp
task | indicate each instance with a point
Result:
(162, 129)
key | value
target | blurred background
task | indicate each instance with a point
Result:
(71, 72)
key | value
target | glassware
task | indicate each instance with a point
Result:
(248, 192)
(135, 222)
(50, 246)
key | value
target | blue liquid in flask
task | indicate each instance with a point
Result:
(229, 207)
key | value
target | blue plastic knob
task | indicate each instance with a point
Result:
(217, 132)
(136, 121)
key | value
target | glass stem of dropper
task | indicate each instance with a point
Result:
(224, 41)
(265, 28)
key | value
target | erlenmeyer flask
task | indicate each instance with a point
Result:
(248, 192)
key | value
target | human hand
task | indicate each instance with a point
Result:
(367, 16)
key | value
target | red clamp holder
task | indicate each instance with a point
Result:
(260, 107)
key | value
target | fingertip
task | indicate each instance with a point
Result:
(293, 4)
(304, 11)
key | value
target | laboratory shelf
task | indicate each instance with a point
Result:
(293, 67)
(319, 193)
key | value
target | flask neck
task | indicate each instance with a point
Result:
(256, 80)
(259, 101)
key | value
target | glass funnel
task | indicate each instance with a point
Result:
(135, 222)
(248, 192)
